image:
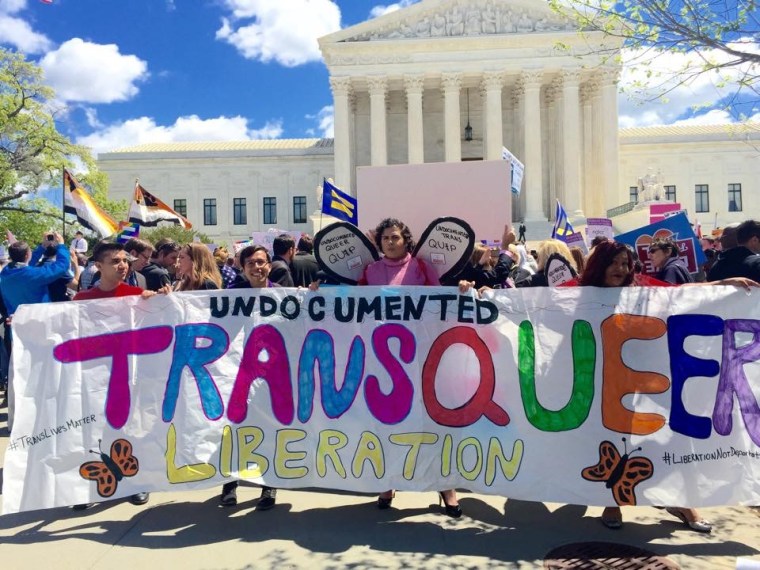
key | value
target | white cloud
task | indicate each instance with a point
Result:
(19, 34)
(191, 128)
(92, 117)
(712, 117)
(325, 122)
(81, 71)
(12, 6)
(285, 31)
(661, 87)
(381, 10)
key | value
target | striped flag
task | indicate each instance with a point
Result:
(147, 210)
(127, 231)
(562, 228)
(77, 201)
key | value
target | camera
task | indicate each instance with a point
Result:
(50, 237)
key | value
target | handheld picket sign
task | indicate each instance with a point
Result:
(446, 246)
(558, 270)
(343, 251)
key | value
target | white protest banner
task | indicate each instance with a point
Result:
(370, 388)
(599, 227)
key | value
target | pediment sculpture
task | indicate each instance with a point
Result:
(472, 19)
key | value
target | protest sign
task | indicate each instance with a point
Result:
(446, 246)
(371, 388)
(517, 170)
(238, 246)
(343, 251)
(676, 228)
(267, 238)
(599, 227)
(576, 240)
(559, 270)
(658, 212)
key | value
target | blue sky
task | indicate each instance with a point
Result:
(137, 71)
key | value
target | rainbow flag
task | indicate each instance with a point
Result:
(77, 201)
(127, 231)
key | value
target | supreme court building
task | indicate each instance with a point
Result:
(449, 81)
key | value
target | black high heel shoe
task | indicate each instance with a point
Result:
(454, 511)
(385, 502)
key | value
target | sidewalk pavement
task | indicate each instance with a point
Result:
(328, 529)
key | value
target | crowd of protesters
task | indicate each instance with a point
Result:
(55, 272)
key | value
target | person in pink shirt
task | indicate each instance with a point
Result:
(397, 267)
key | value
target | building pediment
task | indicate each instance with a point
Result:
(432, 19)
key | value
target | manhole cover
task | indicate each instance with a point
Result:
(605, 555)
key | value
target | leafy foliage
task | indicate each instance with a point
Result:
(174, 232)
(716, 37)
(33, 153)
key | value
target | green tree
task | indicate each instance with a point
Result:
(33, 153)
(174, 232)
(715, 37)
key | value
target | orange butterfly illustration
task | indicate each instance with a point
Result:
(113, 469)
(619, 473)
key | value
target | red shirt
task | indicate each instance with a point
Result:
(122, 290)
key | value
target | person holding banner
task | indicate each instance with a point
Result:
(257, 266)
(398, 267)
(111, 262)
(612, 265)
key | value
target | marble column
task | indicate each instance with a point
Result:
(378, 90)
(517, 142)
(571, 141)
(609, 115)
(451, 84)
(493, 82)
(552, 157)
(415, 127)
(530, 82)
(341, 88)
(589, 184)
